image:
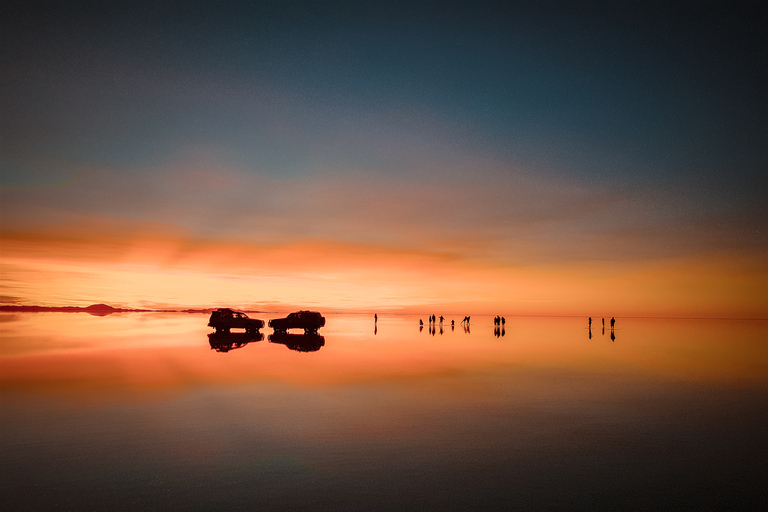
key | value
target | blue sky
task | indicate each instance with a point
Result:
(544, 129)
(601, 92)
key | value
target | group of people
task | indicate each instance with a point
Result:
(499, 320)
(613, 322)
(433, 320)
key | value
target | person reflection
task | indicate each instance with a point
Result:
(590, 332)
(503, 330)
(375, 329)
(441, 328)
(613, 337)
(496, 331)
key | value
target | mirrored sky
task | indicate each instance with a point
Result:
(538, 157)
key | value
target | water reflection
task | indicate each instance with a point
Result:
(226, 341)
(673, 414)
(307, 342)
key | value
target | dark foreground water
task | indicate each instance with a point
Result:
(142, 412)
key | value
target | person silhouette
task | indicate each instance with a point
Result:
(375, 318)
(590, 322)
(613, 321)
(421, 322)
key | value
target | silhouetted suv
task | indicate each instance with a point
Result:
(310, 321)
(224, 319)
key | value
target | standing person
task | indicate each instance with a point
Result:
(590, 322)
(613, 321)
(375, 318)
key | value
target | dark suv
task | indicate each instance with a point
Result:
(224, 319)
(310, 321)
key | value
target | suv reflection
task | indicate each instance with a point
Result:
(226, 341)
(308, 342)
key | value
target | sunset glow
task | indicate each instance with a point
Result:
(437, 163)
(342, 255)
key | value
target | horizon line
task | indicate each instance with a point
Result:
(181, 309)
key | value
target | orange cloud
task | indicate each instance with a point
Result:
(152, 266)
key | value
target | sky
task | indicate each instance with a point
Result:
(532, 158)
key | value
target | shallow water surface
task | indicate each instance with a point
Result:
(147, 411)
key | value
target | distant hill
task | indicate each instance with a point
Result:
(99, 309)
(94, 309)
(104, 309)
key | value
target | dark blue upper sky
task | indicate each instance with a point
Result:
(647, 95)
